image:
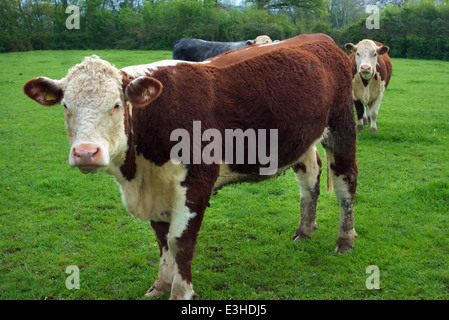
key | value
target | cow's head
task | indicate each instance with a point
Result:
(262, 39)
(94, 95)
(366, 52)
(259, 40)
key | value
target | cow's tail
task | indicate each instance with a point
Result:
(329, 185)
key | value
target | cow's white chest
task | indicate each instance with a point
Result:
(155, 192)
(367, 94)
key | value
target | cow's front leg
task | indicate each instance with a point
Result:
(181, 243)
(183, 232)
(165, 275)
(362, 118)
(185, 225)
(176, 243)
(373, 111)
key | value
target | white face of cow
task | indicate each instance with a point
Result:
(94, 111)
(262, 39)
(94, 100)
(366, 52)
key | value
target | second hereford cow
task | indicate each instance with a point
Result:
(122, 122)
(371, 69)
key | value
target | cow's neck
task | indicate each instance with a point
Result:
(366, 82)
(128, 168)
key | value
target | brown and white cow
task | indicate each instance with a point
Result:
(371, 69)
(121, 121)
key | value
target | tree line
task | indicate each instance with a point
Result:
(412, 29)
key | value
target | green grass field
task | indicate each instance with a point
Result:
(52, 216)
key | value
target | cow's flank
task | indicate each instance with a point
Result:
(121, 122)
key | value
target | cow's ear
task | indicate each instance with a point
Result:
(143, 90)
(125, 80)
(351, 47)
(382, 50)
(249, 42)
(43, 90)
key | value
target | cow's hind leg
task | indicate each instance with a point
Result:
(344, 180)
(166, 264)
(308, 171)
(339, 142)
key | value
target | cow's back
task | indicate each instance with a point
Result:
(238, 55)
(313, 53)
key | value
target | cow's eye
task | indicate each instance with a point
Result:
(375, 54)
(358, 53)
(66, 110)
(116, 107)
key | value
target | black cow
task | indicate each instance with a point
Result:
(197, 50)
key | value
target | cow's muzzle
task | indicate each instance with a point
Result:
(87, 157)
(366, 71)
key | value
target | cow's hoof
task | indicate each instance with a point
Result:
(189, 296)
(158, 289)
(298, 236)
(344, 246)
(343, 249)
(359, 127)
(373, 130)
(153, 293)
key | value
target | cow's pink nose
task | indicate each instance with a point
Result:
(86, 155)
(365, 68)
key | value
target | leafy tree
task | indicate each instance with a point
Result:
(412, 28)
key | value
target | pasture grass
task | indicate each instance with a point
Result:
(52, 216)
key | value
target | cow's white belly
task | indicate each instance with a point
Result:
(155, 191)
(226, 176)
